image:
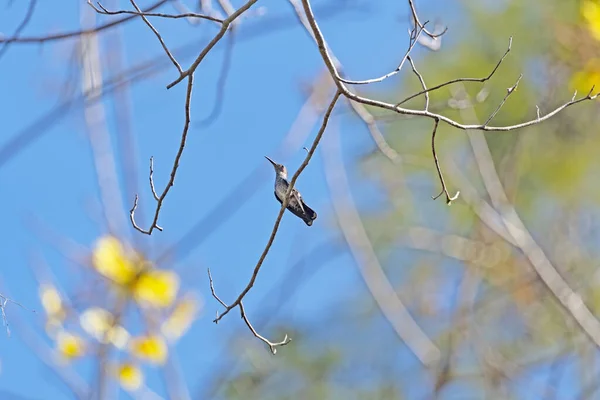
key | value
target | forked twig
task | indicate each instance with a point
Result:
(272, 346)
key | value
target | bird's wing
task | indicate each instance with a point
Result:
(298, 197)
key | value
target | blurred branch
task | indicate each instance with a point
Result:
(219, 98)
(171, 182)
(103, 10)
(283, 207)
(272, 346)
(570, 300)
(224, 27)
(22, 25)
(67, 35)
(95, 122)
(364, 255)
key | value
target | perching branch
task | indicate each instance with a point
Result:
(284, 204)
(272, 346)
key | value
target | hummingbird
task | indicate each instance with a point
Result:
(296, 204)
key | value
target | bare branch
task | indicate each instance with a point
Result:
(272, 346)
(160, 39)
(103, 10)
(284, 204)
(449, 199)
(67, 35)
(480, 80)
(170, 183)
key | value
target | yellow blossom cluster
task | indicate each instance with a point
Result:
(137, 279)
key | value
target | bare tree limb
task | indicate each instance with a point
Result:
(283, 207)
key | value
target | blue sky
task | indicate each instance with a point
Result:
(53, 180)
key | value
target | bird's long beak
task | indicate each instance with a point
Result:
(271, 161)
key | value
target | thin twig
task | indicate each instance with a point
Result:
(480, 80)
(272, 346)
(158, 36)
(449, 199)
(103, 10)
(67, 35)
(283, 207)
(509, 91)
(152, 179)
(413, 37)
(170, 183)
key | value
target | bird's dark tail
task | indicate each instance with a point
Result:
(309, 214)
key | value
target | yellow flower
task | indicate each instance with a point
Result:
(51, 302)
(590, 9)
(99, 323)
(109, 259)
(157, 288)
(69, 346)
(150, 348)
(130, 376)
(181, 318)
